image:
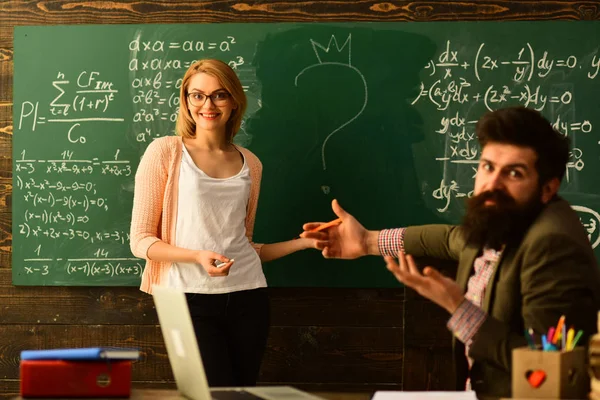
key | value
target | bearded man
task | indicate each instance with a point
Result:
(524, 258)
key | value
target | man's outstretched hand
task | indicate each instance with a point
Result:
(347, 240)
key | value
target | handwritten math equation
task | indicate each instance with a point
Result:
(100, 267)
(454, 82)
(69, 197)
(157, 79)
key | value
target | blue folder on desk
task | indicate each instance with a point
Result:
(86, 353)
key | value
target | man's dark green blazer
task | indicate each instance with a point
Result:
(552, 272)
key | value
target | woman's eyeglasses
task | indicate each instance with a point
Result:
(218, 98)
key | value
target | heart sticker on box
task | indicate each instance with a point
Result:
(535, 378)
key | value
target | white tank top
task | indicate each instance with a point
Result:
(211, 215)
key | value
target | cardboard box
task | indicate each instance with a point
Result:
(566, 376)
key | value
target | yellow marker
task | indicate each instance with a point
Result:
(570, 335)
(558, 331)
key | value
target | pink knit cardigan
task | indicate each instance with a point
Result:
(154, 212)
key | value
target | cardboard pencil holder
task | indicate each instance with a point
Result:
(549, 374)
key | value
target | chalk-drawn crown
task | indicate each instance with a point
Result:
(334, 52)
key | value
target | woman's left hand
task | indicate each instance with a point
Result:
(312, 243)
(207, 259)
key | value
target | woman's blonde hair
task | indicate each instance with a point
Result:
(185, 126)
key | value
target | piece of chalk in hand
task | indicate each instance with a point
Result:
(219, 263)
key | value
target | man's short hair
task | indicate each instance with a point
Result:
(524, 127)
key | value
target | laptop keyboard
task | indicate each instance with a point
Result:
(233, 395)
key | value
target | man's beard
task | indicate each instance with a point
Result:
(499, 224)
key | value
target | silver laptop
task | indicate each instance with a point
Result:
(184, 355)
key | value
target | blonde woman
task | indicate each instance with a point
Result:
(193, 216)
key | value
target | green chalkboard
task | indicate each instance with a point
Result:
(378, 115)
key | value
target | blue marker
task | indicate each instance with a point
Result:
(551, 347)
(544, 342)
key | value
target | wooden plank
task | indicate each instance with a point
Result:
(6, 74)
(9, 388)
(425, 322)
(6, 56)
(153, 365)
(333, 355)
(337, 306)
(6, 158)
(6, 130)
(6, 148)
(344, 395)
(294, 355)
(76, 305)
(5, 194)
(17, 13)
(5, 239)
(428, 369)
(123, 305)
(6, 120)
(289, 307)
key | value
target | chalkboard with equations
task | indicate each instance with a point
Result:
(378, 115)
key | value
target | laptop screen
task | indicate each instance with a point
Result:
(180, 340)
(184, 355)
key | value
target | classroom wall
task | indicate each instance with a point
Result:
(324, 340)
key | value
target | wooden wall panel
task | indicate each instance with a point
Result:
(5, 240)
(10, 388)
(385, 338)
(140, 12)
(332, 357)
(127, 305)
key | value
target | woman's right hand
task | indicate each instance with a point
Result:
(207, 259)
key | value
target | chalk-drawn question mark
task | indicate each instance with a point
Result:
(346, 122)
(320, 63)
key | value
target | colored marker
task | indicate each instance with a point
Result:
(559, 326)
(327, 225)
(551, 347)
(529, 338)
(570, 336)
(544, 343)
(577, 337)
(551, 335)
